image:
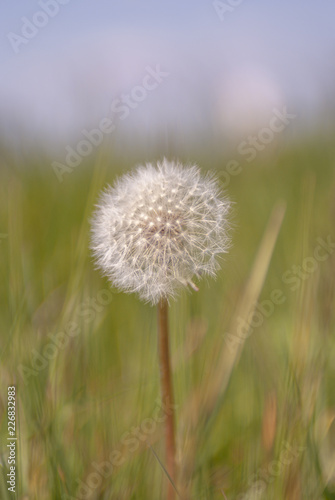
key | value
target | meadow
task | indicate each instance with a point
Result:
(253, 351)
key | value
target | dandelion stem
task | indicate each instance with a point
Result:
(167, 393)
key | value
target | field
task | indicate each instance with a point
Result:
(253, 351)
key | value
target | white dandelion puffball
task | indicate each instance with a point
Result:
(159, 227)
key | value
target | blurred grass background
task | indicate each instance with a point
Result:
(75, 411)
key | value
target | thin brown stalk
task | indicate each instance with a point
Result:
(167, 395)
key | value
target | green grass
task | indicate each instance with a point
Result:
(238, 410)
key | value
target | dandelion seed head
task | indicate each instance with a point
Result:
(158, 228)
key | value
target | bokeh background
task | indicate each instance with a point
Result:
(243, 88)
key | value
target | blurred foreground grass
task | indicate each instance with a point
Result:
(255, 415)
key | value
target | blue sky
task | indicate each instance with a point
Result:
(92, 51)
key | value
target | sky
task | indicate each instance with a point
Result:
(229, 64)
